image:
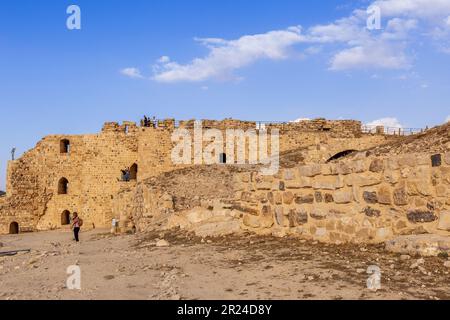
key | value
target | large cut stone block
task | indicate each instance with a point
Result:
(363, 179)
(328, 182)
(342, 197)
(310, 170)
(444, 221)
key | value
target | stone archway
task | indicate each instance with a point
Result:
(65, 218)
(63, 186)
(14, 228)
(134, 172)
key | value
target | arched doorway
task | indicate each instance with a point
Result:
(134, 172)
(63, 186)
(340, 155)
(14, 228)
(65, 218)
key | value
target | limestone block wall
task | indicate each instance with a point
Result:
(94, 162)
(363, 199)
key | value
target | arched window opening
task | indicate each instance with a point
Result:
(65, 146)
(14, 228)
(65, 218)
(341, 154)
(134, 172)
(63, 186)
(223, 158)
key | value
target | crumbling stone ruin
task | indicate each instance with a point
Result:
(336, 184)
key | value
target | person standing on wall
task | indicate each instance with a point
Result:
(77, 223)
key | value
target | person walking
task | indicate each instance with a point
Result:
(77, 222)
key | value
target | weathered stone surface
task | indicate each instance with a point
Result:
(247, 196)
(263, 185)
(288, 197)
(421, 216)
(364, 179)
(377, 165)
(370, 197)
(391, 176)
(423, 245)
(262, 197)
(281, 186)
(318, 196)
(310, 170)
(218, 229)
(358, 166)
(289, 174)
(419, 187)
(447, 158)
(243, 208)
(302, 199)
(400, 197)
(251, 221)
(392, 164)
(274, 198)
(297, 217)
(384, 195)
(444, 221)
(442, 190)
(266, 219)
(407, 160)
(370, 212)
(162, 243)
(343, 168)
(198, 215)
(302, 182)
(279, 215)
(342, 197)
(271, 198)
(318, 214)
(328, 182)
(329, 198)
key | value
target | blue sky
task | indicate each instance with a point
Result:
(255, 60)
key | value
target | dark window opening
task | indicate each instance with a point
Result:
(223, 158)
(341, 155)
(65, 218)
(65, 146)
(63, 186)
(436, 160)
(14, 228)
(134, 172)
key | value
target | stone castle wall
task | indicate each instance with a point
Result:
(356, 200)
(93, 167)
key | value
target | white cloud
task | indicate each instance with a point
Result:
(447, 119)
(226, 56)
(301, 119)
(351, 45)
(370, 56)
(386, 122)
(131, 72)
(164, 59)
(428, 9)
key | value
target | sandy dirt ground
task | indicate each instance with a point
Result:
(132, 267)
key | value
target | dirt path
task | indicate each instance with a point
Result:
(230, 268)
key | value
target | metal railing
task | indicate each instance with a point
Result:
(369, 129)
(391, 130)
